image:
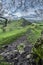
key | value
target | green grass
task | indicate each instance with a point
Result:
(15, 30)
(5, 63)
(34, 35)
(8, 37)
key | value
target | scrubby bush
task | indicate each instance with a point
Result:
(38, 50)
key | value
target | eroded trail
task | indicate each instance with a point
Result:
(10, 51)
(12, 46)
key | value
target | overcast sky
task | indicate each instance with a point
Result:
(10, 9)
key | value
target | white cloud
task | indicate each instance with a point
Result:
(5, 15)
(18, 14)
(28, 13)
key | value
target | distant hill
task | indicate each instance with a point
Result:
(24, 22)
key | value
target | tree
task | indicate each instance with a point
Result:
(4, 24)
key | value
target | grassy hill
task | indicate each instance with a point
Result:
(18, 28)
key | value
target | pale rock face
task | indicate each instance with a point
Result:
(22, 7)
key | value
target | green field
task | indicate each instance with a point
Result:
(15, 29)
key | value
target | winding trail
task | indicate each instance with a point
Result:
(12, 46)
(9, 52)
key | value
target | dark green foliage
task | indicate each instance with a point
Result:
(38, 50)
(41, 24)
(42, 33)
(3, 23)
(3, 29)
